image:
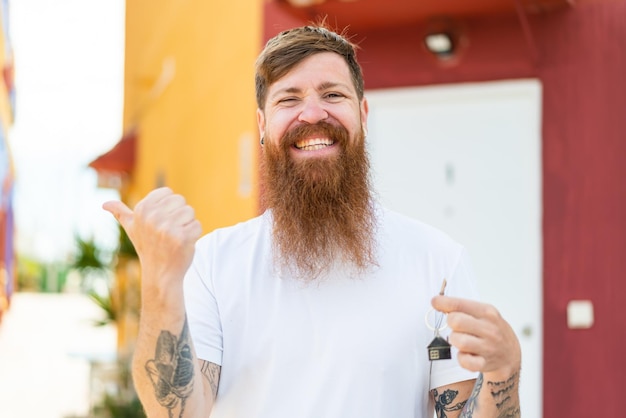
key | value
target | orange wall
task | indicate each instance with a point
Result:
(189, 89)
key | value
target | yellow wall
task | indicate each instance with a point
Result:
(189, 89)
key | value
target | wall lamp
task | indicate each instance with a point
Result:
(443, 38)
(442, 44)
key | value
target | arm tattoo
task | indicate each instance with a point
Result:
(211, 373)
(501, 393)
(443, 401)
(468, 412)
(171, 370)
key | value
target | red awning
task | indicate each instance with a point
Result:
(121, 158)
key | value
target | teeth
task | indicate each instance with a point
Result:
(313, 147)
(314, 144)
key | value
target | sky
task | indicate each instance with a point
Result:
(69, 57)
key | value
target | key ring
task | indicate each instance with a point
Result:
(437, 327)
(439, 348)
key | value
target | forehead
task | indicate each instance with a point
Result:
(322, 68)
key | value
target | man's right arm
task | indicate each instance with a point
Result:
(168, 377)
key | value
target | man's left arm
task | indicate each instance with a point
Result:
(486, 344)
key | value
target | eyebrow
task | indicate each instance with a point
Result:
(327, 85)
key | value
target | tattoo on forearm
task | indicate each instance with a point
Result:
(470, 406)
(211, 373)
(171, 370)
(443, 401)
(501, 393)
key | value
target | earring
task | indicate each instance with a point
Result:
(262, 140)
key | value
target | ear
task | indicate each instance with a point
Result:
(260, 120)
(364, 112)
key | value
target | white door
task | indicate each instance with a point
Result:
(467, 159)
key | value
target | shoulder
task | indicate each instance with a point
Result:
(235, 235)
(226, 253)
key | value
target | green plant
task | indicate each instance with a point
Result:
(94, 267)
(116, 407)
(89, 257)
(126, 247)
(122, 401)
(29, 273)
(105, 302)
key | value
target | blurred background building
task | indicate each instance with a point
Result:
(189, 118)
(7, 95)
(500, 122)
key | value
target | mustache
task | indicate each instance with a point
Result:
(335, 132)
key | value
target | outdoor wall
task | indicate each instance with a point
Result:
(7, 236)
(583, 67)
(579, 55)
(189, 92)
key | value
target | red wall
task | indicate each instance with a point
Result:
(583, 70)
(581, 62)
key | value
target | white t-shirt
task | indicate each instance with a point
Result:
(342, 347)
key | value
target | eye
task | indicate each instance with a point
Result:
(334, 96)
(288, 101)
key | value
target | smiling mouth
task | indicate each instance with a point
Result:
(314, 144)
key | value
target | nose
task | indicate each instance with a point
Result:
(312, 111)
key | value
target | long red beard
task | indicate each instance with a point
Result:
(321, 207)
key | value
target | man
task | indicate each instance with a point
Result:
(317, 307)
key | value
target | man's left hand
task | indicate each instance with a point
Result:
(486, 342)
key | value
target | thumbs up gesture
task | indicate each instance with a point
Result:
(164, 230)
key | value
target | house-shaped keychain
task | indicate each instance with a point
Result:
(439, 349)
